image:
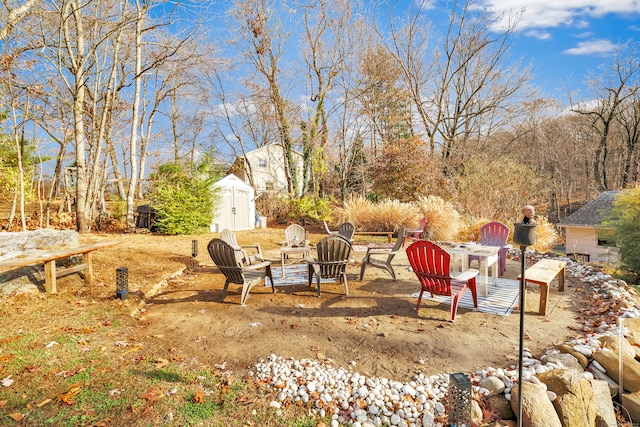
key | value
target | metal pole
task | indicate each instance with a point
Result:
(523, 249)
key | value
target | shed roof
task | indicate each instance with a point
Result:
(593, 213)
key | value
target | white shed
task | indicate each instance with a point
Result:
(235, 208)
(586, 235)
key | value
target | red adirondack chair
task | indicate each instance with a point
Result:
(495, 234)
(431, 264)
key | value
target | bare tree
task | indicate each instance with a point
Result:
(629, 122)
(468, 83)
(611, 88)
(13, 15)
(325, 23)
(262, 43)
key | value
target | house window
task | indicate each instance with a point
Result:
(269, 186)
(605, 237)
(262, 163)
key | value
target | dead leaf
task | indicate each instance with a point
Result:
(68, 396)
(44, 402)
(3, 403)
(17, 416)
(198, 397)
(152, 395)
(161, 363)
(102, 423)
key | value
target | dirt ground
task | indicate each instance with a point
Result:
(375, 330)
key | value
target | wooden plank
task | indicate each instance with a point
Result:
(544, 271)
(389, 234)
(48, 255)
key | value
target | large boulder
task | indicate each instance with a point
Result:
(14, 244)
(581, 358)
(605, 413)
(630, 367)
(614, 344)
(568, 360)
(501, 407)
(631, 402)
(537, 409)
(575, 401)
(632, 325)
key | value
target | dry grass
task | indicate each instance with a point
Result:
(546, 235)
(387, 215)
(443, 221)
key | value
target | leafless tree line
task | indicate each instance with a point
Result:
(346, 83)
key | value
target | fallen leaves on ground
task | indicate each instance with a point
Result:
(152, 395)
(68, 396)
(17, 416)
(161, 363)
(198, 397)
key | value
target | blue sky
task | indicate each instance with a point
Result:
(565, 39)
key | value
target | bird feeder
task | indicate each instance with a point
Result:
(459, 400)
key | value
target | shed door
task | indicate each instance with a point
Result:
(241, 220)
(234, 209)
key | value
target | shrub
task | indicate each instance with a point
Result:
(494, 187)
(183, 202)
(625, 218)
(315, 208)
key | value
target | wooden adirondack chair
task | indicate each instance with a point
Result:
(332, 260)
(225, 257)
(385, 255)
(294, 235)
(431, 265)
(495, 234)
(241, 250)
(346, 230)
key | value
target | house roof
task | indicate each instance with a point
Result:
(593, 213)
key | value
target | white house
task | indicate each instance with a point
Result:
(585, 235)
(268, 168)
(235, 209)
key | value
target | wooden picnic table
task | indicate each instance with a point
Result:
(49, 257)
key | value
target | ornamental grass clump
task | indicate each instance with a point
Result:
(392, 214)
(443, 221)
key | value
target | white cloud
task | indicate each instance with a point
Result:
(540, 35)
(556, 13)
(592, 47)
(584, 35)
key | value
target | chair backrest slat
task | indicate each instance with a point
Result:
(293, 232)
(346, 230)
(224, 257)
(333, 256)
(494, 234)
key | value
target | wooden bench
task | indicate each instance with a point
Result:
(49, 257)
(389, 234)
(542, 273)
